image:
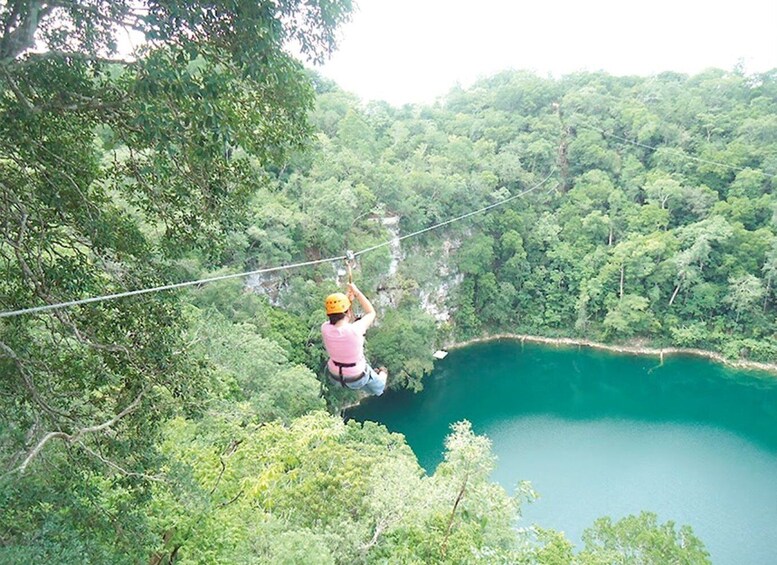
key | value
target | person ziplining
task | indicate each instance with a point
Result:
(344, 343)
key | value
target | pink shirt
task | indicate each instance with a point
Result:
(346, 345)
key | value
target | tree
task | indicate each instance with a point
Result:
(465, 315)
(745, 294)
(691, 261)
(664, 192)
(634, 260)
(770, 271)
(640, 539)
(111, 169)
(254, 369)
(463, 514)
(629, 315)
(588, 151)
(513, 258)
(345, 493)
(403, 341)
(181, 120)
(476, 255)
(248, 492)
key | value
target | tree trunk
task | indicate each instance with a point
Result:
(453, 514)
(163, 558)
(623, 269)
(674, 294)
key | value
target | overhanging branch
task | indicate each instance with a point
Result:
(76, 437)
(29, 383)
(34, 58)
(16, 90)
(117, 467)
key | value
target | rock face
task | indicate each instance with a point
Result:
(266, 284)
(433, 292)
(395, 249)
(434, 300)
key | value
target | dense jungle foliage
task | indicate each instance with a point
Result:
(193, 426)
(658, 222)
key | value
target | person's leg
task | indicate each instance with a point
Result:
(376, 380)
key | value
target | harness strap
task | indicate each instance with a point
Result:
(340, 371)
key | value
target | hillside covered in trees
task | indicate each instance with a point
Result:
(194, 425)
(657, 221)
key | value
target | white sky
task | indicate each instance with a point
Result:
(413, 51)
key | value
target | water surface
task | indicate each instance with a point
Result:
(605, 434)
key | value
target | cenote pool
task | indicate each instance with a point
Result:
(605, 434)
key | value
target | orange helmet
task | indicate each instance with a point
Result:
(337, 303)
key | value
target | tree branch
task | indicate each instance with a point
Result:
(76, 437)
(379, 528)
(443, 548)
(134, 24)
(34, 58)
(32, 454)
(115, 466)
(233, 499)
(17, 41)
(227, 453)
(25, 102)
(221, 474)
(29, 384)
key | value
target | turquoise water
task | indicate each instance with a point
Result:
(604, 434)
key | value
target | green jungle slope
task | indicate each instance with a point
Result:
(194, 425)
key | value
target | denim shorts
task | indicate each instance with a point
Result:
(371, 382)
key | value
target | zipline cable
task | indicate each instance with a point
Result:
(103, 298)
(682, 153)
(456, 219)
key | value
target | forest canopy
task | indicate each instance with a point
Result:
(195, 425)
